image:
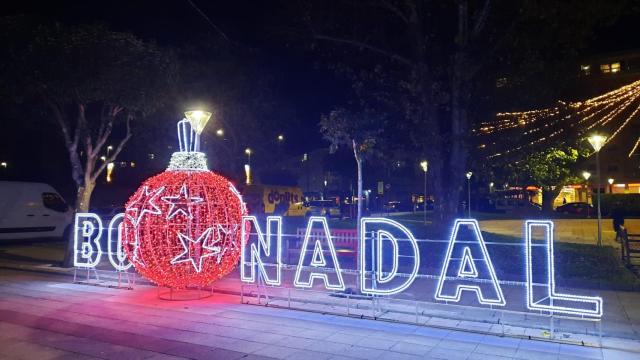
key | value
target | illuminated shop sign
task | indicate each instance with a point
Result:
(383, 245)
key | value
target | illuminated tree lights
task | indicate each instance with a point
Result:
(612, 111)
(182, 228)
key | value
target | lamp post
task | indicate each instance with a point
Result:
(469, 174)
(586, 175)
(597, 141)
(324, 192)
(424, 164)
(247, 166)
(610, 181)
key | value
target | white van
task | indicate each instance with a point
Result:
(32, 210)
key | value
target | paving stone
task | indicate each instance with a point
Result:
(376, 343)
(392, 355)
(198, 352)
(532, 354)
(449, 354)
(29, 350)
(411, 348)
(580, 351)
(496, 350)
(275, 351)
(309, 355)
(457, 345)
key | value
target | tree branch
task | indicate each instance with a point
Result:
(394, 9)
(355, 43)
(482, 18)
(71, 145)
(106, 128)
(116, 151)
(208, 20)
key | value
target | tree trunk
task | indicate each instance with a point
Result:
(83, 196)
(548, 197)
(83, 199)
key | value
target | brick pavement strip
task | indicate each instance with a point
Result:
(44, 316)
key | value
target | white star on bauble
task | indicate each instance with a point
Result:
(147, 206)
(181, 203)
(136, 245)
(200, 245)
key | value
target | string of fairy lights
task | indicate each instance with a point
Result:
(610, 112)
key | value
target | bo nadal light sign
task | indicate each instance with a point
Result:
(382, 244)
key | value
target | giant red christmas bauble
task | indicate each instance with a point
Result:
(182, 228)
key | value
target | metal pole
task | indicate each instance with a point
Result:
(599, 213)
(469, 197)
(424, 204)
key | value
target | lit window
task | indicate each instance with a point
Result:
(615, 67)
(610, 68)
(152, 156)
(586, 69)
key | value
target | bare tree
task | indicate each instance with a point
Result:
(95, 84)
(358, 131)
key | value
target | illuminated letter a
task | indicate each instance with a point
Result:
(467, 266)
(313, 258)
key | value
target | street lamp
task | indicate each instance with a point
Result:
(198, 120)
(248, 152)
(597, 141)
(4, 164)
(247, 166)
(220, 132)
(610, 181)
(109, 149)
(586, 175)
(280, 138)
(469, 174)
(424, 164)
(491, 184)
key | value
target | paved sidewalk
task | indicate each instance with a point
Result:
(46, 317)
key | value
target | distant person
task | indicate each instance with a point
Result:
(564, 200)
(617, 216)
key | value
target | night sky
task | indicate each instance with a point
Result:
(259, 29)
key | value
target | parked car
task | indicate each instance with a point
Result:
(397, 206)
(327, 208)
(575, 208)
(32, 210)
